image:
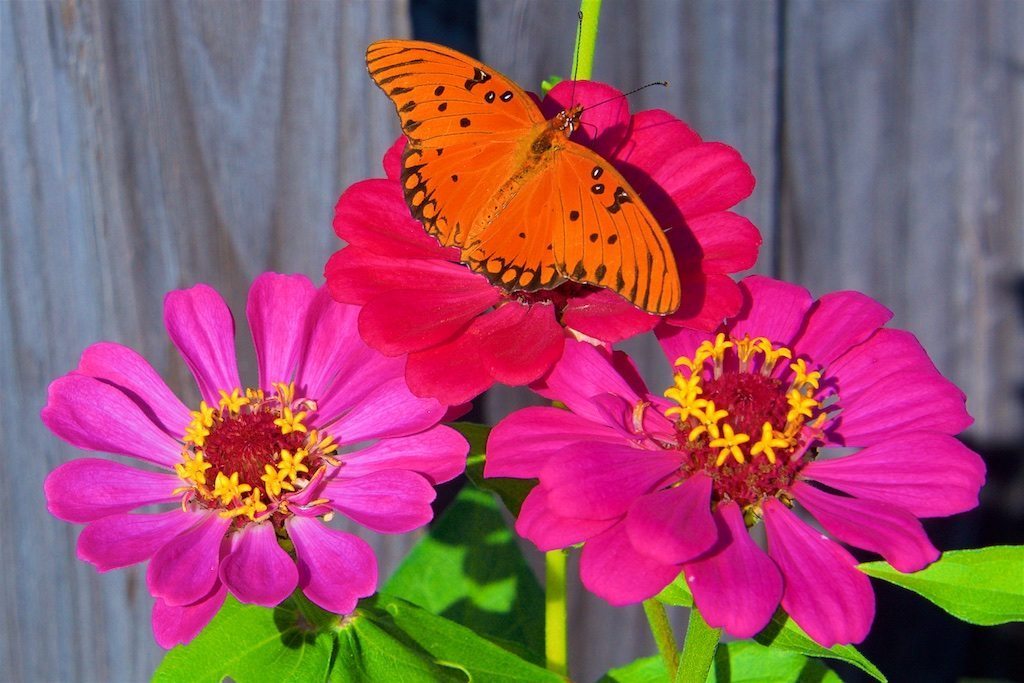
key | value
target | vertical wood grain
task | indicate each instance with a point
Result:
(904, 173)
(148, 146)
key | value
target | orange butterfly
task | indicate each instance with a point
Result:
(484, 171)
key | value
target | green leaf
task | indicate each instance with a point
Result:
(387, 624)
(783, 633)
(469, 569)
(511, 491)
(983, 586)
(644, 670)
(736, 662)
(549, 83)
(291, 642)
(676, 593)
(747, 662)
(369, 652)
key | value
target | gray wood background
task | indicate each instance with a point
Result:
(146, 146)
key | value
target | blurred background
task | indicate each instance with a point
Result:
(147, 146)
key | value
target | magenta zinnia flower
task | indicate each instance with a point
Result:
(330, 428)
(657, 486)
(463, 334)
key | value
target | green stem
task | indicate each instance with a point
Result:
(664, 638)
(698, 650)
(555, 648)
(586, 40)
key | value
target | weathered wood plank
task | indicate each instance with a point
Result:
(904, 162)
(148, 146)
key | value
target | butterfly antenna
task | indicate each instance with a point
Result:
(626, 94)
(576, 57)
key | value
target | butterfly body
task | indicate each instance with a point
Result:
(486, 172)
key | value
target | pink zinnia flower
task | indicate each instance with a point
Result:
(657, 486)
(330, 428)
(463, 334)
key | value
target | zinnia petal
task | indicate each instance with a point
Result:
(185, 569)
(549, 531)
(773, 309)
(595, 480)
(515, 344)
(390, 410)
(258, 570)
(178, 625)
(275, 303)
(836, 323)
(888, 386)
(521, 444)
(613, 569)
(335, 567)
(735, 585)
(201, 327)
(584, 372)
(893, 533)
(88, 489)
(96, 416)
(122, 540)
(333, 348)
(387, 501)
(926, 473)
(439, 454)
(132, 374)
(824, 592)
(675, 524)
(399, 321)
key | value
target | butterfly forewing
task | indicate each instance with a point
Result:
(445, 98)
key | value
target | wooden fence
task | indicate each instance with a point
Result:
(146, 146)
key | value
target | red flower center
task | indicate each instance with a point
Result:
(744, 420)
(246, 443)
(251, 452)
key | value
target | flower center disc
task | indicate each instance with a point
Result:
(743, 420)
(246, 443)
(251, 452)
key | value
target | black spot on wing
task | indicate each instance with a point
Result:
(479, 76)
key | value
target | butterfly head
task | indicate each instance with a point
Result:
(569, 119)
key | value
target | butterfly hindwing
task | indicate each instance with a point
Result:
(515, 250)
(578, 219)
(606, 236)
(445, 98)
